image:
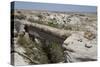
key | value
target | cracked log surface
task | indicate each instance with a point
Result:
(48, 37)
(60, 33)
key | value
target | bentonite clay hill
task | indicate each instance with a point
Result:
(42, 37)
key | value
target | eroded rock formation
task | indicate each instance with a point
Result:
(48, 37)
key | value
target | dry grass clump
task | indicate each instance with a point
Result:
(55, 52)
(89, 35)
(33, 50)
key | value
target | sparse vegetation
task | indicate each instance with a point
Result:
(55, 52)
(35, 54)
(48, 48)
(24, 42)
(40, 16)
(20, 17)
(52, 24)
(89, 35)
(35, 21)
(31, 20)
(67, 27)
(19, 12)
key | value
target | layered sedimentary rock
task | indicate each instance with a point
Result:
(42, 37)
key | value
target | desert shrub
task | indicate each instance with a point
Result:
(68, 27)
(20, 17)
(74, 27)
(31, 20)
(68, 20)
(81, 15)
(24, 42)
(52, 24)
(19, 12)
(55, 52)
(35, 21)
(89, 35)
(36, 54)
(40, 16)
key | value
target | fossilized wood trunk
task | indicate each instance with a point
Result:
(60, 33)
(51, 42)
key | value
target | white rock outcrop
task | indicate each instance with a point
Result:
(78, 48)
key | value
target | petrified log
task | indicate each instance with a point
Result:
(61, 33)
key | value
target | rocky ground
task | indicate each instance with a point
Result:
(42, 37)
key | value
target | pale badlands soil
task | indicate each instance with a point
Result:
(79, 45)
